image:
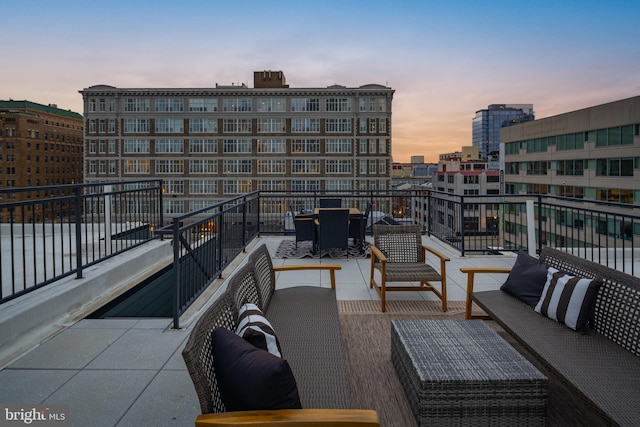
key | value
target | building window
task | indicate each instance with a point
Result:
(306, 185)
(236, 104)
(305, 125)
(112, 146)
(338, 104)
(338, 125)
(615, 166)
(305, 104)
(203, 186)
(382, 125)
(337, 166)
(169, 146)
(363, 125)
(236, 166)
(272, 185)
(236, 126)
(132, 105)
(203, 125)
(268, 105)
(271, 166)
(169, 126)
(271, 125)
(335, 185)
(169, 166)
(203, 105)
(169, 105)
(136, 146)
(239, 186)
(305, 166)
(136, 125)
(570, 167)
(373, 146)
(305, 146)
(203, 146)
(173, 206)
(236, 145)
(203, 166)
(341, 145)
(271, 145)
(134, 166)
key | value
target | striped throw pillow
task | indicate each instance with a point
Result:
(568, 299)
(256, 329)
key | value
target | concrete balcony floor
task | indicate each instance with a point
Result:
(129, 372)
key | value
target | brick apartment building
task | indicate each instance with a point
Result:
(40, 145)
(210, 144)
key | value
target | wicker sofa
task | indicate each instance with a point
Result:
(305, 319)
(601, 370)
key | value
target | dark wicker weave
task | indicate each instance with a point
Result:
(399, 256)
(198, 356)
(602, 368)
(462, 373)
(305, 320)
(261, 262)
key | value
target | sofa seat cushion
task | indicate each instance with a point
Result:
(312, 344)
(603, 371)
(249, 377)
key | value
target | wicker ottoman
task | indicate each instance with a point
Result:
(461, 372)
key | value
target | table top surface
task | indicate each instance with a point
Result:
(352, 211)
(468, 350)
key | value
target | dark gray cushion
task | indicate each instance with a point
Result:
(526, 280)
(249, 377)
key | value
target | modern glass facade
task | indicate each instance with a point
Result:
(487, 123)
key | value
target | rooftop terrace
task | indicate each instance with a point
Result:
(129, 372)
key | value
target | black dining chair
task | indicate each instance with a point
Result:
(358, 227)
(304, 226)
(330, 203)
(333, 230)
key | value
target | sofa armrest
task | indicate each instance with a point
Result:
(471, 272)
(331, 267)
(293, 417)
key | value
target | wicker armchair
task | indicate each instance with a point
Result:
(398, 255)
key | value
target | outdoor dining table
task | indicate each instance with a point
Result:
(354, 216)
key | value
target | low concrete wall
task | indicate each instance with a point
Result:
(29, 320)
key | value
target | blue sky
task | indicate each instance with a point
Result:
(445, 60)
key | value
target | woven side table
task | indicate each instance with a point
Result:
(462, 373)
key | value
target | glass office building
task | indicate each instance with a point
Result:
(487, 123)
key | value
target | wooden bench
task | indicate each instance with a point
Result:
(306, 322)
(600, 369)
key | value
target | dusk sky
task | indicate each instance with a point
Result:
(444, 59)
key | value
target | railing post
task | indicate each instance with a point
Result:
(531, 229)
(461, 225)
(78, 214)
(540, 221)
(176, 273)
(161, 209)
(244, 223)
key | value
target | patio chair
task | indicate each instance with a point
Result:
(333, 230)
(358, 226)
(398, 255)
(303, 224)
(330, 203)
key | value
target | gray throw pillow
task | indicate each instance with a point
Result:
(527, 279)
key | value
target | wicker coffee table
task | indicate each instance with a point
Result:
(461, 372)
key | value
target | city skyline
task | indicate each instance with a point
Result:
(444, 62)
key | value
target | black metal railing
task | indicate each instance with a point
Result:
(48, 233)
(71, 228)
(205, 241)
